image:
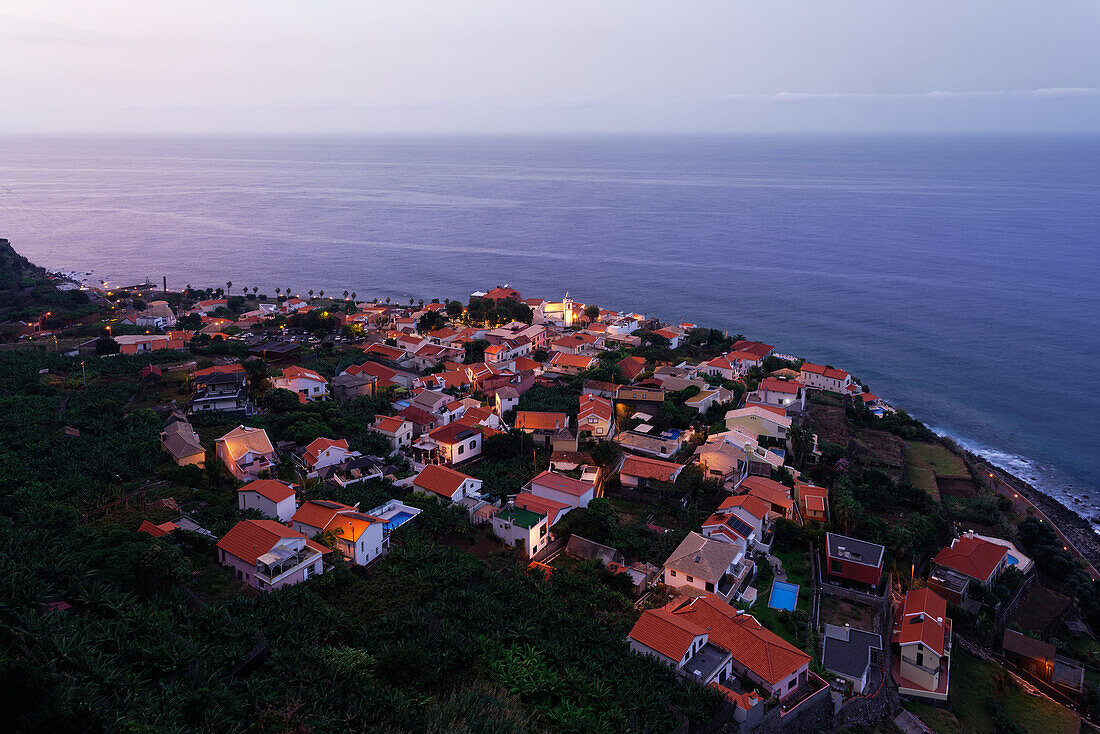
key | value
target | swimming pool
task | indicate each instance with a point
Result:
(784, 596)
(1011, 560)
(398, 520)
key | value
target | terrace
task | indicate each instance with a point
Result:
(705, 664)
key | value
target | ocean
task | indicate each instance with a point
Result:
(958, 276)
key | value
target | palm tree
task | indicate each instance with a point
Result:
(353, 295)
(320, 294)
(278, 291)
(387, 299)
(311, 294)
(345, 295)
(255, 289)
(411, 301)
(228, 287)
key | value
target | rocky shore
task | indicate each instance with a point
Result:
(1074, 528)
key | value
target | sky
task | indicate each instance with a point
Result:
(357, 66)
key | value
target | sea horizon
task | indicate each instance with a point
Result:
(955, 273)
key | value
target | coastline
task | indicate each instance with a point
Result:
(1077, 531)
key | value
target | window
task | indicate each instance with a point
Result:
(542, 533)
(472, 443)
(460, 449)
(691, 580)
(710, 586)
(674, 574)
(920, 658)
(836, 565)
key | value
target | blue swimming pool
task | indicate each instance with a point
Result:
(1011, 560)
(398, 520)
(784, 596)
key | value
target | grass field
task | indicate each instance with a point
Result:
(973, 681)
(924, 478)
(840, 611)
(935, 457)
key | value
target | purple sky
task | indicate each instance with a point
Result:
(536, 66)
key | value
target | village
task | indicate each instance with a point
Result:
(785, 538)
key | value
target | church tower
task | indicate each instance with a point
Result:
(567, 309)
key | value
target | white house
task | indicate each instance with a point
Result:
(560, 488)
(783, 393)
(442, 481)
(817, 377)
(398, 430)
(325, 452)
(759, 420)
(359, 536)
(522, 528)
(275, 499)
(307, 384)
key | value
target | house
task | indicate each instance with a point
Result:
(596, 418)
(397, 430)
(664, 446)
(639, 396)
(640, 471)
(758, 350)
(525, 529)
(740, 645)
(813, 503)
(850, 653)
(631, 367)
(729, 528)
(422, 421)
(788, 394)
(672, 336)
(753, 511)
(922, 632)
(560, 488)
(276, 351)
(442, 481)
(325, 452)
(759, 420)
(246, 452)
(142, 343)
(307, 384)
(359, 537)
(853, 560)
(704, 399)
(157, 314)
(267, 555)
(817, 377)
(181, 441)
(274, 499)
(704, 564)
(541, 425)
(450, 444)
(506, 398)
(563, 363)
(552, 509)
(353, 470)
(777, 496)
(223, 387)
(157, 531)
(1040, 660)
(345, 386)
(975, 559)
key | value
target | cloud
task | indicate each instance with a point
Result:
(1044, 92)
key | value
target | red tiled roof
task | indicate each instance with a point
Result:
(562, 483)
(772, 384)
(752, 645)
(527, 420)
(440, 480)
(250, 539)
(541, 505)
(454, 432)
(922, 618)
(271, 489)
(218, 369)
(642, 466)
(972, 557)
(755, 348)
(659, 630)
(561, 359)
(319, 513)
(319, 445)
(747, 502)
(389, 423)
(157, 531)
(301, 373)
(417, 416)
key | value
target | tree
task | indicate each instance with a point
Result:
(255, 290)
(345, 295)
(454, 309)
(353, 295)
(475, 351)
(106, 345)
(311, 294)
(228, 286)
(591, 313)
(320, 294)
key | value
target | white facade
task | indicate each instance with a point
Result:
(281, 511)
